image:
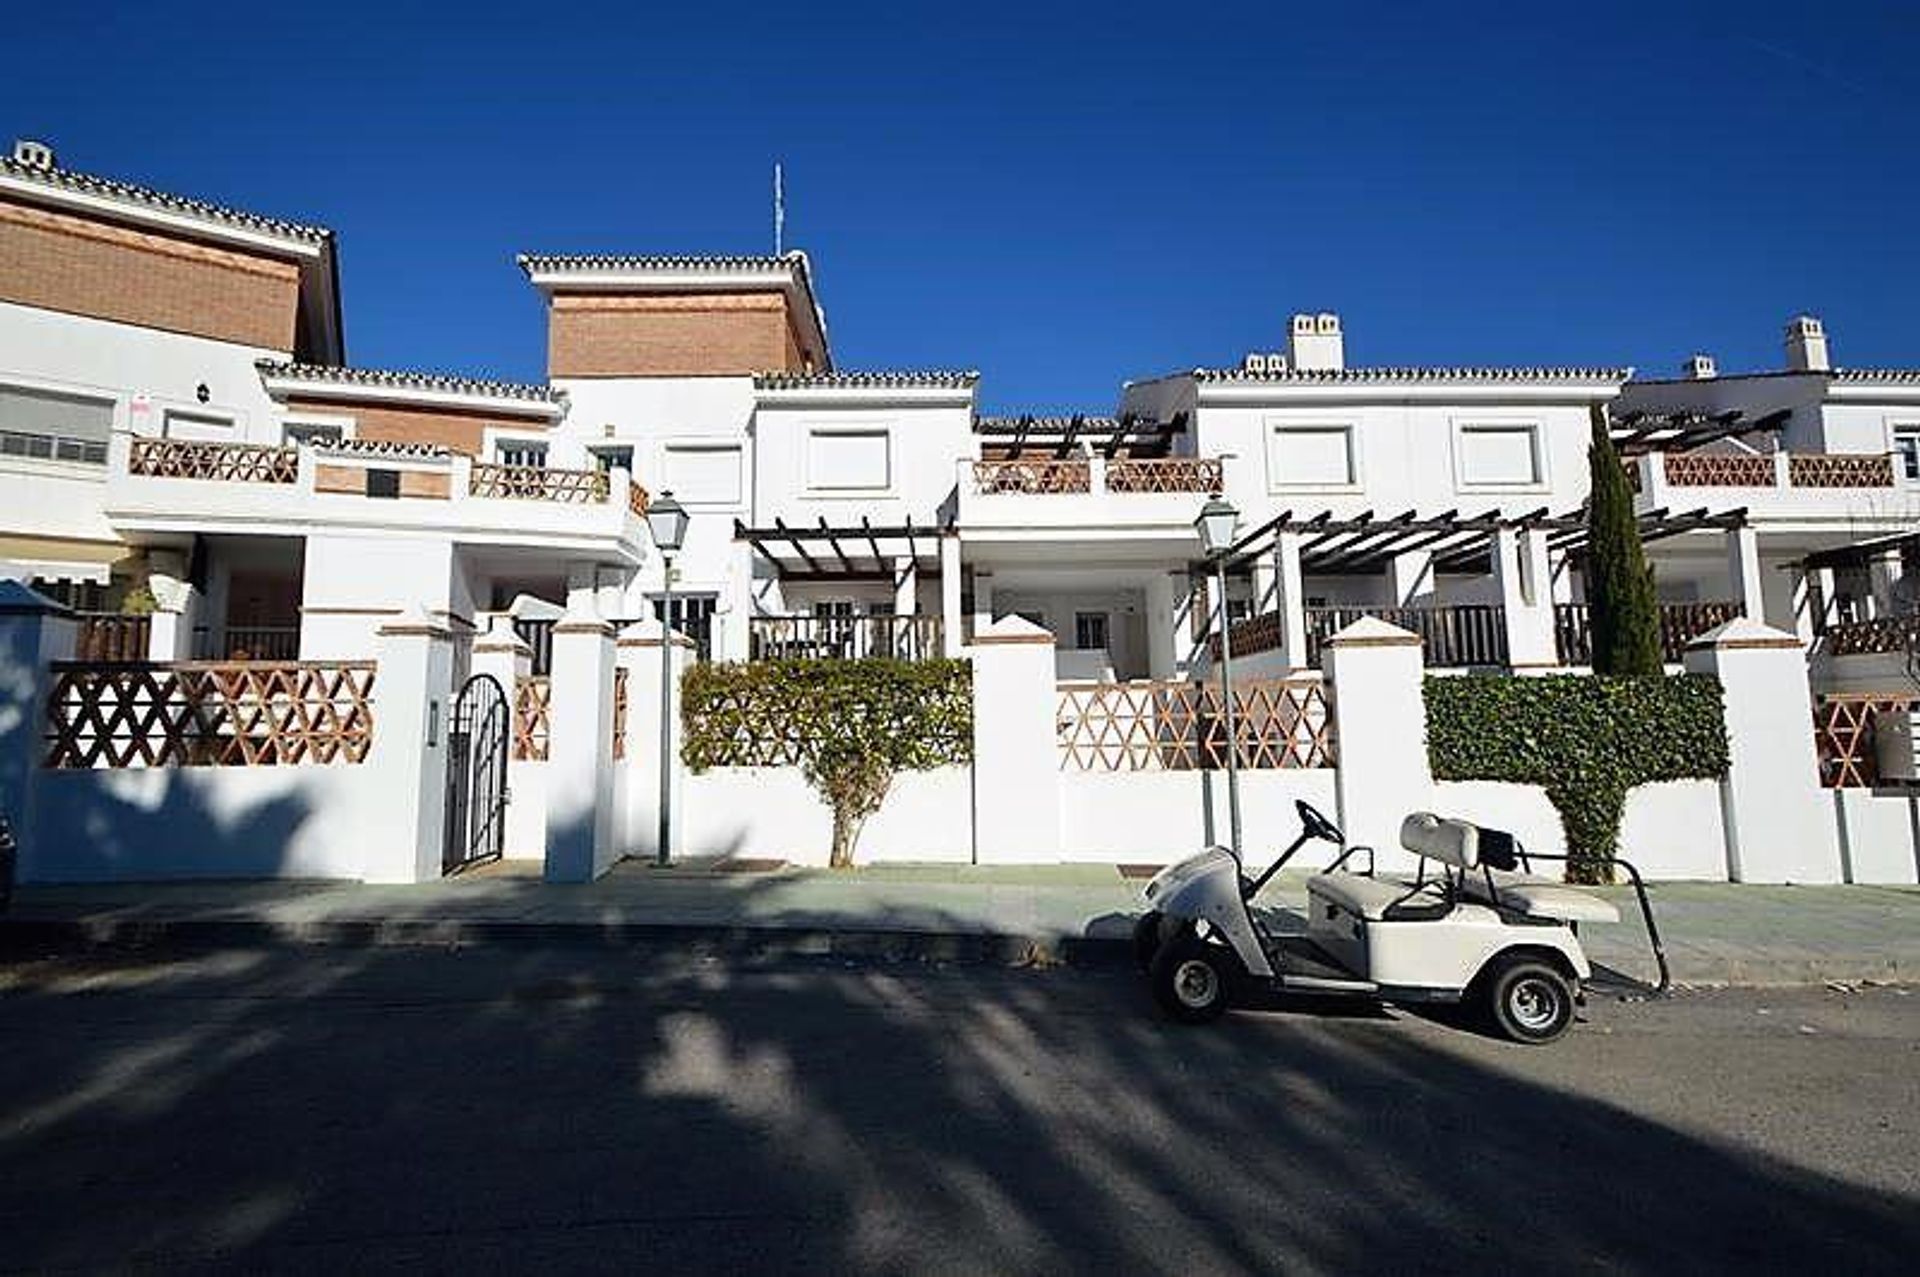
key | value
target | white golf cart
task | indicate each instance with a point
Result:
(1481, 929)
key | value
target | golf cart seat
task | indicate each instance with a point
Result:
(1501, 883)
(1380, 899)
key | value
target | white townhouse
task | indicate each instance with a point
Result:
(179, 430)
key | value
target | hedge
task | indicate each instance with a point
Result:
(850, 726)
(1586, 739)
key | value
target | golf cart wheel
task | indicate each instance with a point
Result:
(1146, 939)
(1528, 1000)
(1192, 980)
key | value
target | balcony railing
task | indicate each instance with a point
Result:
(1048, 477)
(1032, 476)
(1680, 624)
(110, 636)
(1173, 474)
(538, 483)
(914, 637)
(1454, 636)
(1775, 470)
(225, 462)
(1866, 638)
(250, 643)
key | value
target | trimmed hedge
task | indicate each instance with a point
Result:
(850, 726)
(1586, 739)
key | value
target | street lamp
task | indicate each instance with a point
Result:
(1216, 523)
(667, 521)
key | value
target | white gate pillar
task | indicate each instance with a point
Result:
(1016, 753)
(1779, 822)
(951, 635)
(1522, 575)
(413, 700)
(580, 833)
(1380, 727)
(638, 654)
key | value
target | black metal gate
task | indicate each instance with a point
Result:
(479, 735)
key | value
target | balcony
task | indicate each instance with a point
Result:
(1680, 624)
(160, 486)
(914, 637)
(1453, 636)
(1776, 484)
(1157, 495)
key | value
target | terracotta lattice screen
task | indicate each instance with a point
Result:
(1170, 726)
(532, 718)
(256, 714)
(227, 462)
(1843, 734)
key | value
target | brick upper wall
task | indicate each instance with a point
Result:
(84, 266)
(597, 335)
(458, 429)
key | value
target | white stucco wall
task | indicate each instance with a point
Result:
(204, 822)
(1161, 817)
(1879, 835)
(1670, 831)
(771, 812)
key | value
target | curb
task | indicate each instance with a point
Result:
(29, 935)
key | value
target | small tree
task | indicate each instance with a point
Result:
(1620, 596)
(851, 726)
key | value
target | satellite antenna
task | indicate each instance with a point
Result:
(779, 211)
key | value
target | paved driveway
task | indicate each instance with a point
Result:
(502, 1110)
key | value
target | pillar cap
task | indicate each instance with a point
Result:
(416, 621)
(1371, 631)
(1744, 633)
(1013, 629)
(646, 633)
(17, 598)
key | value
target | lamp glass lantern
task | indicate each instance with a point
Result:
(667, 521)
(1216, 523)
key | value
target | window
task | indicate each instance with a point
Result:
(848, 460)
(310, 432)
(1906, 450)
(522, 452)
(1090, 631)
(692, 615)
(383, 483)
(36, 423)
(607, 460)
(193, 425)
(1497, 456)
(701, 474)
(1311, 456)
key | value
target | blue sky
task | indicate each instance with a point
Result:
(1062, 197)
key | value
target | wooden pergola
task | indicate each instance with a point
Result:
(1635, 433)
(1363, 545)
(1142, 437)
(862, 552)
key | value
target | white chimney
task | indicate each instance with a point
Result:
(32, 154)
(1314, 342)
(1700, 368)
(1807, 345)
(1254, 363)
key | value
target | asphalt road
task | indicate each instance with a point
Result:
(489, 1110)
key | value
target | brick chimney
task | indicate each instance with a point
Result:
(1314, 343)
(1807, 345)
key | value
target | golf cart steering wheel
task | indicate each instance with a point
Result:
(1315, 825)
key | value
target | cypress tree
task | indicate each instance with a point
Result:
(1620, 598)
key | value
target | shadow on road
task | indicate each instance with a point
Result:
(314, 1110)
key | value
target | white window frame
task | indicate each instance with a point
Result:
(314, 421)
(706, 443)
(498, 441)
(1895, 429)
(1277, 482)
(197, 417)
(834, 492)
(1537, 436)
(52, 462)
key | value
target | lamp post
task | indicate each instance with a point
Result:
(1216, 523)
(667, 521)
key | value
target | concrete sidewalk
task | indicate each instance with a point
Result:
(1715, 933)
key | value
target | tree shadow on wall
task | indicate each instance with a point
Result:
(310, 1110)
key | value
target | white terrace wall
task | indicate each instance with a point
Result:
(1153, 817)
(772, 813)
(1879, 833)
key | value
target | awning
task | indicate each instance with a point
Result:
(1638, 432)
(1862, 553)
(847, 553)
(1363, 544)
(60, 559)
